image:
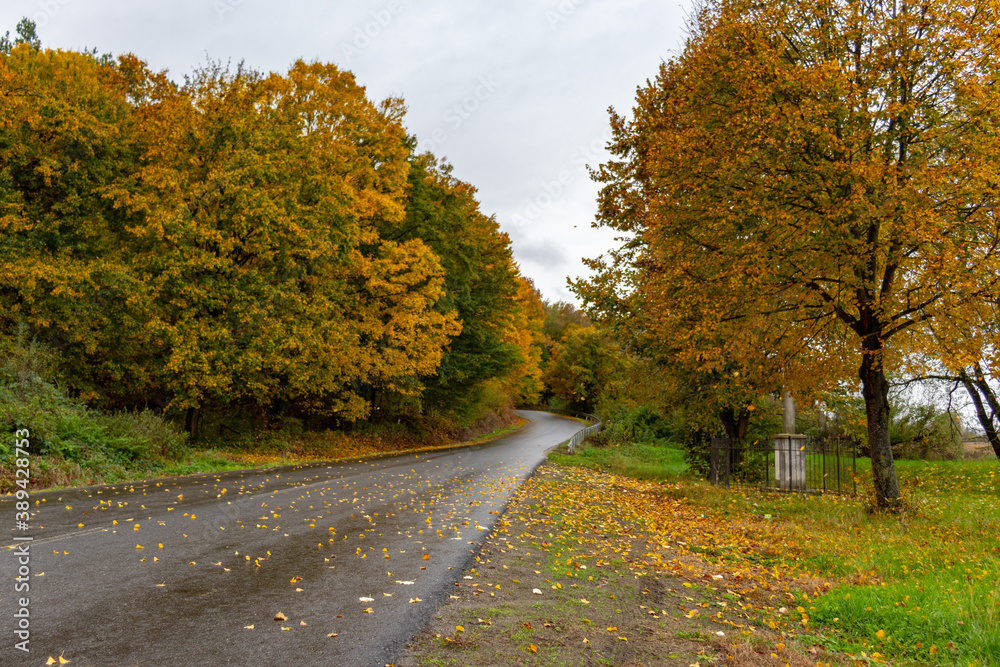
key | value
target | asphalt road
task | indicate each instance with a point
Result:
(193, 570)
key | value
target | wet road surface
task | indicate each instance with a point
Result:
(193, 570)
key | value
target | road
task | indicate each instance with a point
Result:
(193, 570)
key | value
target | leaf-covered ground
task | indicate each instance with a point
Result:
(589, 568)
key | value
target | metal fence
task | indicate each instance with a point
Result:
(793, 463)
(580, 436)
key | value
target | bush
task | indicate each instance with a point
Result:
(64, 428)
(697, 443)
(625, 424)
(925, 432)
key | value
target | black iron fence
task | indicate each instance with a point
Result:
(793, 463)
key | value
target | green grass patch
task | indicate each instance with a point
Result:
(638, 460)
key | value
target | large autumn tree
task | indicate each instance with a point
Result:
(829, 162)
(481, 286)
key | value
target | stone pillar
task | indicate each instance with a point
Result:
(790, 461)
(788, 416)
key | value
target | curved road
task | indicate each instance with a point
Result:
(222, 555)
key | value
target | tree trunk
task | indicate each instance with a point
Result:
(875, 389)
(985, 420)
(736, 425)
(191, 421)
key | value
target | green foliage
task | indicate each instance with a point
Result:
(626, 424)
(479, 287)
(26, 34)
(559, 316)
(64, 428)
(697, 444)
(925, 432)
(585, 367)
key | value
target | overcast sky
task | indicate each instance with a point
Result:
(513, 92)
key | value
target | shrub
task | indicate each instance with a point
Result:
(64, 428)
(626, 424)
(925, 432)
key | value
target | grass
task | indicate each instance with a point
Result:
(920, 586)
(638, 460)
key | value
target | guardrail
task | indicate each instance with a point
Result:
(580, 436)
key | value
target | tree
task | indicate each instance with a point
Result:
(216, 242)
(584, 366)
(65, 140)
(481, 285)
(831, 163)
(261, 199)
(26, 34)
(523, 381)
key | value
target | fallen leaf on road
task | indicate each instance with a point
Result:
(280, 617)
